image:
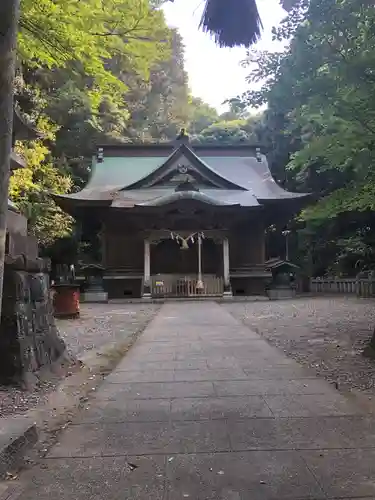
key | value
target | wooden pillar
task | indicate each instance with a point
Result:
(199, 258)
(200, 285)
(227, 286)
(103, 243)
(147, 270)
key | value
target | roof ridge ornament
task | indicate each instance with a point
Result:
(258, 155)
(100, 155)
(183, 137)
(183, 169)
(186, 184)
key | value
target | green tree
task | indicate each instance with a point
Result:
(320, 117)
(229, 133)
(86, 35)
(9, 12)
(201, 115)
(30, 189)
(159, 107)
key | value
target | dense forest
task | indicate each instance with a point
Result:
(319, 128)
(111, 70)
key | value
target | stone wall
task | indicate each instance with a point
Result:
(29, 339)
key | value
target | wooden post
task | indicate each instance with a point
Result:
(199, 258)
(103, 244)
(200, 285)
(9, 14)
(147, 270)
(227, 287)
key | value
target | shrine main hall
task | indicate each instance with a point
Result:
(177, 220)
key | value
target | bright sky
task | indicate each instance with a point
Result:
(215, 73)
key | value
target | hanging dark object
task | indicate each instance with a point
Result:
(232, 23)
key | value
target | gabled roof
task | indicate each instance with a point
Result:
(277, 263)
(129, 176)
(218, 180)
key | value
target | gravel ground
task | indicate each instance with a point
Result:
(326, 334)
(98, 325)
(101, 324)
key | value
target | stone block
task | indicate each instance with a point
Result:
(94, 297)
(281, 293)
(17, 435)
(29, 338)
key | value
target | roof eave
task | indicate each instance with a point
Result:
(72, 205)
(185, 195)
(294, 197)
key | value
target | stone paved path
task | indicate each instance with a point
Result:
(203, 408)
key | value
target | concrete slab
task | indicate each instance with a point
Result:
(117, 411)
(302, 433)
(254, 475)
(142, 365)
(272, 387)
(158, 390)
(279, 373)
(98, 478)
(219, 408)
(308, 405)
(142, 438)
(209, 375)
(118, 377)
(344, 473)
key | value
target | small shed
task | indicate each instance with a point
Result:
(282, 285)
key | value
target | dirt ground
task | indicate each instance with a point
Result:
(326, 334)
(99, 325)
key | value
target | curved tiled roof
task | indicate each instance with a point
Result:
(158, 197)
(121, 181)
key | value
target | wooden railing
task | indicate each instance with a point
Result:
(362, 287)
(171, 285)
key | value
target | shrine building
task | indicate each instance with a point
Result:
(177, 220)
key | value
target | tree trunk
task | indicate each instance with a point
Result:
(9, 12)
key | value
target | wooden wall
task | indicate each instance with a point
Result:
(122, 250)
(125, 250)
(247, 244)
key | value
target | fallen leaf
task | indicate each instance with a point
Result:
(132, 466)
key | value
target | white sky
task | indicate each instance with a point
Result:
(215, 73)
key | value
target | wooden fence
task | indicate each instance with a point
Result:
(186, 286)
(362, 287)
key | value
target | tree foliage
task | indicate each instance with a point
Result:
(86, 35)
(320, 119)
(201, 115)
(81, 68)
(227, 132)
(30, 189)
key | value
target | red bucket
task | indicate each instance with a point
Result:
(66, 301)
